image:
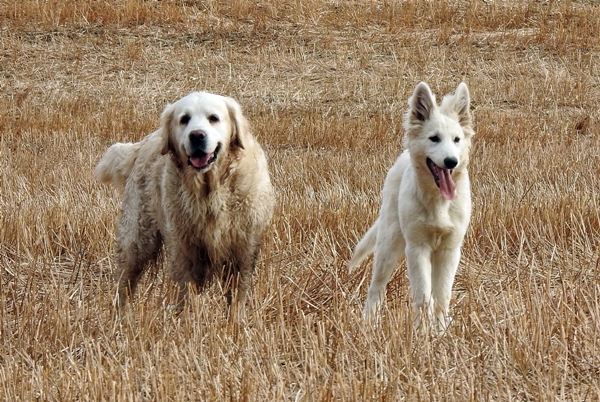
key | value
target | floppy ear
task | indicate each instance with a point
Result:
(422, 103)
(239, 125)
(166, 119)
(462, 104)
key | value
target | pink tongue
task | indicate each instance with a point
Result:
(200, 161)
(447, 186)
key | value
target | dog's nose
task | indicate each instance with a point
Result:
(197, 137)
(450, 163)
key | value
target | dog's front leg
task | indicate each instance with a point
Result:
(445, 264)
(237, 279)
(181, 268)
(418, 261)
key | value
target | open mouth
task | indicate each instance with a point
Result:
(201, 160)
(443, 179)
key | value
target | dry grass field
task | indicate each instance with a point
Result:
(324, 84)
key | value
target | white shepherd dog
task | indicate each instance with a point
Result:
(426, 206)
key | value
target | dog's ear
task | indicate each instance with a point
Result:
(239, 125)
(422, 103)
(166, 122)
(462, 104)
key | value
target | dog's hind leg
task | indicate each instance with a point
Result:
(388, 249)
(133, 258)
(138, 240)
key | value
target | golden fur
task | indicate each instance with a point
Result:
(200, 185)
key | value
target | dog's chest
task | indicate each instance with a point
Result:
(448, 219)
(431, 227)
(213, 209)
(201, 214)
(441, 220)
(431, 224)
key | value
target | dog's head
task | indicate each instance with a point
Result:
(439, 138)
(200, 128)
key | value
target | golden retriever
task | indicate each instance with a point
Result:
(200, 185)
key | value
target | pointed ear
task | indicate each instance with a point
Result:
(240, 127)
(462, 104)
(422, 103)
(166, 121)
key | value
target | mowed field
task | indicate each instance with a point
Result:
(324, 84)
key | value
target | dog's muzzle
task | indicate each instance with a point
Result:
(201, 160)
(443, 179)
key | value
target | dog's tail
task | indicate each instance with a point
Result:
(115, 166)
(364, 247)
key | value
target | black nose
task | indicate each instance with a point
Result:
(197, 137)
(450, 163)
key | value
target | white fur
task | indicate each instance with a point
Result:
(199, 108)
(415, 219)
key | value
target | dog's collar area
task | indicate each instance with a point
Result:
(201, 160)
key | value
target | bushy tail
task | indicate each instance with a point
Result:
(115, 166)
(364, 247)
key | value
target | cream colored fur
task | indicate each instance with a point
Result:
(116, 165)
(415, 219)
(209, 212)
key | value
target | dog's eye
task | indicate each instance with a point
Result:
(434, 138)
(213, 118)
(456, 140)
(185, 119)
